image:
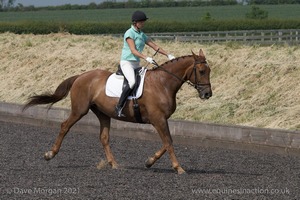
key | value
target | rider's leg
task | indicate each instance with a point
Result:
(125, 93)
(127, 68)
(128, 71)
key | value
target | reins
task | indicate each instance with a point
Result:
(197, 85)
(158, 66)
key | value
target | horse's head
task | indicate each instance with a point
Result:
(199, 75)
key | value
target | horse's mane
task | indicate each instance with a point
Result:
(170, 61)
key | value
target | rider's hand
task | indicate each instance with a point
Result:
(171, 57)
(150, 60)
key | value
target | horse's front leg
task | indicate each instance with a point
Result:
(104, 138)
(162, 128)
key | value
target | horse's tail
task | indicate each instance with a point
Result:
(60, 93)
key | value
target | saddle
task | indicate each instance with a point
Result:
(116, 82)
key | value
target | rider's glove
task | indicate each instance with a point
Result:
(150, 60)
(171, 57)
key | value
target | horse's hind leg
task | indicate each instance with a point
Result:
(151, 160)
(104, 136)
(76, 114)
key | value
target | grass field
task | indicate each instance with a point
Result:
(184, 14)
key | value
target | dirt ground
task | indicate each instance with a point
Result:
(252, 85)
(212, 173)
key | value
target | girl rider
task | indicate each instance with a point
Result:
(134, 43)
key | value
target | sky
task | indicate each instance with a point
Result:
(40, 3)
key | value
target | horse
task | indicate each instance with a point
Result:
(157, 103)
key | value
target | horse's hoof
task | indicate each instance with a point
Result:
(102, 164)
(181, 171)
(115, 166)
(48, 155)
(149, 162)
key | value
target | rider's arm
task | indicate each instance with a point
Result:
(151, 44)
(133, 49)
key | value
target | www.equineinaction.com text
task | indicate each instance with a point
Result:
(241, 191)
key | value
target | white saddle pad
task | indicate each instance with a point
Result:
(114, 85)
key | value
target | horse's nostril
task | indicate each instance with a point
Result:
(207, 95)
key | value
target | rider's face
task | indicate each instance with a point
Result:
(140, 24)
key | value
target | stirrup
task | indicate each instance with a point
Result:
(119, 111)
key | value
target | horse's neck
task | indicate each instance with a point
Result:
(174, 78)
(180, 65)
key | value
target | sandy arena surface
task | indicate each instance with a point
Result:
(212, 173)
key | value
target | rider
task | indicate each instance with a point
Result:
(134, 43)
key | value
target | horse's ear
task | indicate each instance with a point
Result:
(194, 55)
(201, 53)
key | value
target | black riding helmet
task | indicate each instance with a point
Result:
(139, 16)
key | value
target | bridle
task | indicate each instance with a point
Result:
(199, 86)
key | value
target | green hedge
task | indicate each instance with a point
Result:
(84, 28)
(29, 27)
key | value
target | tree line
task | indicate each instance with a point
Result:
(9, 5)
(114, 4)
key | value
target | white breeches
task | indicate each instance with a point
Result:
(128, 71)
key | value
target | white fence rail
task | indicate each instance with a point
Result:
(289, 36)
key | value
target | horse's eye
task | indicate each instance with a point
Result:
(202, 72)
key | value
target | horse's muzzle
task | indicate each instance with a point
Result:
(204, 92)
(206, 95)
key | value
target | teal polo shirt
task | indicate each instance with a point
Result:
(139, 39)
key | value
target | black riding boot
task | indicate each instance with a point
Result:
(125, 93)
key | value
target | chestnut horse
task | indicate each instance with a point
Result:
(157, 103)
